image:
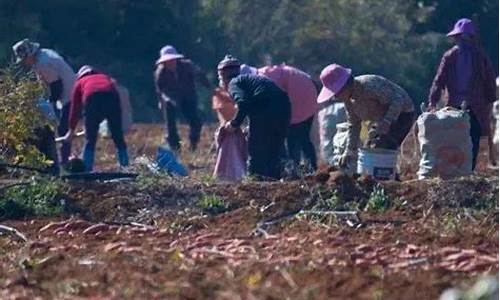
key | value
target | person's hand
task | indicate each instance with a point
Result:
(382, 127)
(229, 127)
(345, 159)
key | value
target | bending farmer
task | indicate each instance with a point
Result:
(56, 75)
(268, 110)
(95, 93)
(369, 98)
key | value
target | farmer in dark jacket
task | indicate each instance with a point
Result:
(174, 80)
(96, 96)
(268, 110)
(467, 74)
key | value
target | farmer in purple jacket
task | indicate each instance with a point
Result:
(466, 72)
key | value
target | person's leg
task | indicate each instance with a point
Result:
(93, 117)
(114, 117)
(306, 144)
(293, 143)
(172, 135)
(190, 111)
(475, 135)
(51, 151)
(45, 143)
(62, 129)
(276, 126)
(257, 155)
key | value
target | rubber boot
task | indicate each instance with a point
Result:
(88, 159)
(123, 157)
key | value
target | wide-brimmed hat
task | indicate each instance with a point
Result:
(24, 48)
(168, 53)
(333, 78)
(463, 26)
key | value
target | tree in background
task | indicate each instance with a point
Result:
(395, 38)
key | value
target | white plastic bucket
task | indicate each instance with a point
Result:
(379, 163)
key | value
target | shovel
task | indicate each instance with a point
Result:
(78, 134)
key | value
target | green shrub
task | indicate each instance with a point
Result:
(19, 117)
(378, 200)
(37, 198)
(212, 204)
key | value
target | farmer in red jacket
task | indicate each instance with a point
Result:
(96, 96)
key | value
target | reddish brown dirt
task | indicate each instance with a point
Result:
(430, 239)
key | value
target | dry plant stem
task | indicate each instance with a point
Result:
(14, 232)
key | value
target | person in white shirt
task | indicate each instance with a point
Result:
(57, 76)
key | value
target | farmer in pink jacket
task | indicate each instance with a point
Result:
(302, 94)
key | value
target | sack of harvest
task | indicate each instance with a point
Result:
(340, 146)
(231, 155)
(445, 144)
(328, 119)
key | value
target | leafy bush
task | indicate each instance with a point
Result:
(378, 200)
(37, 198)
(212, 204)
(19, 117)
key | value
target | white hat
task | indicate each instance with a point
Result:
(24, 48)
(168, 53)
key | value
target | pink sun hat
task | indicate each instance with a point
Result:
(463, 26)
(168, 53)
(333, 78)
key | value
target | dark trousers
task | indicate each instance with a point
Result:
(299, 142)
(62, 129)
(190, 111)
(45, 143)
(397, 132)
(266, 140)
(475, 135)
(100, 107)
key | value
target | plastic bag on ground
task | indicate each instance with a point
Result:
(167, 161)
(232, 155)
(445, 144)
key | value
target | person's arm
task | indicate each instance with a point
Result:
(353, 132)
(159, 81)
(439, 82)
(76, 106)
(49, 76)
(394, 109)
(241, 97)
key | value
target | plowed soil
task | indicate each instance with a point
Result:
(149, 239)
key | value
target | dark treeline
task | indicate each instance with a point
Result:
(402, 40)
